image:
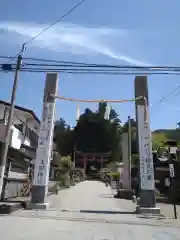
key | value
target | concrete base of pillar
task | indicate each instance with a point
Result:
(39, 195)
(38, 206)
(124, 194)
(142, 210)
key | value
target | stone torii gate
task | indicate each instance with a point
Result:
(145, 165)
(43, 156)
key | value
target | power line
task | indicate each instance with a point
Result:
(90, 70)
(13, 58)
(51, 25)
(166, 97)
(95, 65)
(39, 60)
(103, 66)
(93, 72)
(56, 21)
(97, 68)
(85, 68)
(73, 67)
(169, 94)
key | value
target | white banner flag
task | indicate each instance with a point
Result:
(107, 113)
(77, 113)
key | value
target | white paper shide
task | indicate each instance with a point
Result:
(145, 151)
(43, 155)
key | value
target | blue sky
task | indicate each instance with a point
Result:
(110, 32)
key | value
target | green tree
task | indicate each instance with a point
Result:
(102, 108)
(92, 133)
(126, 125)
(95, 134)
(158, 140)
(63, 137)
(125, 128)
(63, 170)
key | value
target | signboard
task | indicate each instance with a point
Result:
(113, 184)
(167, 182)
(145, 151)
(173, 150)
(43, 156)
(171, 170)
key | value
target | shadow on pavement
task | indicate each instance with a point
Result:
(12, 201)
(157, 217)
(107, 212)
(165, 201)
(105, 196)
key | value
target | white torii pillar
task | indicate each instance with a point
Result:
(43, 153)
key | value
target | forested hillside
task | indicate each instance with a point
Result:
(93, 133)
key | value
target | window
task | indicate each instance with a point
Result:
(4, 115)
(33, 138)
(19, 127)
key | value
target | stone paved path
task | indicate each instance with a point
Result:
(56, 223)
(89, 195)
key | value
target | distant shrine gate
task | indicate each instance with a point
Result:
(85, 159)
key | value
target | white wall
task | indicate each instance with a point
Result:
(16, 138)
(27, 141)
(23, 116)
(19, 118)
(26, 117)
(17, 175)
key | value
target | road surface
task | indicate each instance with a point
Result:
(63, 219)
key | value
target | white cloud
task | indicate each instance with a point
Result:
(73, 38)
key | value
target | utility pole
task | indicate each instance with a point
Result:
(5, 145)
(129, 148)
